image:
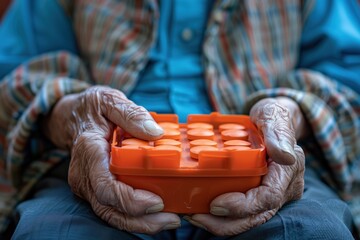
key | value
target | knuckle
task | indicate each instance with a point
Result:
(108, 214)
(269, 214)
(120, 197)
(105, 213)
(134, 112)
(103, 98)
(273, 111)
(129, 112)
(93, 92)
(121, 223)
(112, 217)
(261, 218)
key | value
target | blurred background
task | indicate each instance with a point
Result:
(3, 6)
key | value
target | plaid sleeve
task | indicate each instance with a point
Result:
(333, 112)
(27, 94)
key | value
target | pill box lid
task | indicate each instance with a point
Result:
(169, 162)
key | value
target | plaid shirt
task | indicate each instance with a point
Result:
(250, 52)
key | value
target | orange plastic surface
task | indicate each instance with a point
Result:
(185, 178)
(165, 141)
(229, 126)
(237, 143)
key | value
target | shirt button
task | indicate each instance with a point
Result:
(187, 34)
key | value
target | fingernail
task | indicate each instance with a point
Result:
(286, 147)
(155, 208)
(152, 128)
(187, 218)
(219, 211)
(172, 226)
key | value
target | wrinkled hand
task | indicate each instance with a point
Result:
(84, 123)
(234, 213)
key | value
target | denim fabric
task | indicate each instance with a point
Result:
(55, 213)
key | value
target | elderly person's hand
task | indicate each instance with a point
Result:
(234, 213)
(84, 123)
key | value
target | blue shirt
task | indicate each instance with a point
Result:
(173, 81)
(336, 54)
(25, 34)
(330, 41)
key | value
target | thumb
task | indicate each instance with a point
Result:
(132, 118)
(279, 135)
(280, 142)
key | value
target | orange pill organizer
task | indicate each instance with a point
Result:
(185, 168)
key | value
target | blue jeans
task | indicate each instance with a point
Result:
(55, 213)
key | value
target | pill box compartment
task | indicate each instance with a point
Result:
(186, 184)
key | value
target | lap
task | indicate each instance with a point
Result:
(55, 213)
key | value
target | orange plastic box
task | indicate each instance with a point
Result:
(189, 176)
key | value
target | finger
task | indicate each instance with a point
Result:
(224, 226)
(298, 183)
(280, 142)
(279, 136)
(281, 184)
(134, 119)
(269, 195)
(148, 224)
(107, 189)
(111, 192)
